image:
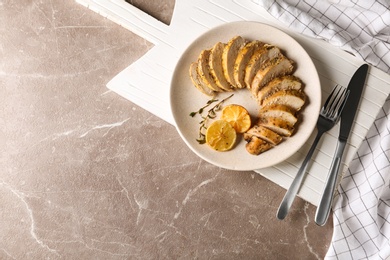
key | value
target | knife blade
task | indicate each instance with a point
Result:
(355, 88)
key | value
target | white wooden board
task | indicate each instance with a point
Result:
(192, 18)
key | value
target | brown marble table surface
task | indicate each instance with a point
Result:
(86, 174)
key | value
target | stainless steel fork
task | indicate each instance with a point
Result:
(329, 115)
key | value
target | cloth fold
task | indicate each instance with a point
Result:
(361, 208)
(361, 27)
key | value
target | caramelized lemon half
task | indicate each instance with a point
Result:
(220, 135)
(238, 117)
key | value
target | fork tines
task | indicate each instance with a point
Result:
(334, 105)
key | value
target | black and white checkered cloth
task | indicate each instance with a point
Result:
(361, 209)
(361, 212)
(361, 27)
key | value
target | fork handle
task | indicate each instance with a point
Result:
(289, 197)
(323, 209)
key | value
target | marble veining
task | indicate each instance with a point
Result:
(89, 175)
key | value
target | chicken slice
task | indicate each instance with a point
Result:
(278, 125)
(263, 133)
(229, 57)
(279, 111)
(258, 59)
(277, 67)
(215, 63)
(204, 71)
(279, 83)
(257, 145)
(242, 60)
(290, 97)
(198, 83)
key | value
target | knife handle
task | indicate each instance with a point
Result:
(325, 204)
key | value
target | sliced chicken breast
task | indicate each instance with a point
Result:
(258, 59)
(229, 57)
(291, 97)
(278, 125)
(267, 73)
(277, 67)
(216, 70)
(204, 71)
(198, 83)
(264, 133)
(242, 60)
(257, 145)
(279, 83)
(279, 111)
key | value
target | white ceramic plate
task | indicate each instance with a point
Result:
(185, 98)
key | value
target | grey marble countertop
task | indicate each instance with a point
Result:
(87, 174)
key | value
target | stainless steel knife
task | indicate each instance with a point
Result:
(355, 86)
